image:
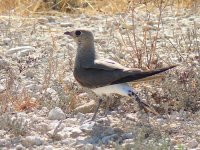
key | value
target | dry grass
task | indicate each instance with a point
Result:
(181, 89)
(34, 7)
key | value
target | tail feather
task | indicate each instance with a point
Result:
(141, 75)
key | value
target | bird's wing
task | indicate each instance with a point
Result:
(107, 70)
(108, 65)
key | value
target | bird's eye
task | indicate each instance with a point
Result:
(78, 33)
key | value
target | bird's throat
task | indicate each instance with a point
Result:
(85, 54)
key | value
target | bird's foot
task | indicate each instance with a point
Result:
(146, 108)
(143, 105)
(97, 109)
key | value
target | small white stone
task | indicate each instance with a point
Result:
(56, 114)
(63, 24)
(87, 107)
(160, 120)
(87, 127)
(193, 143)
(82, 95)
(75, 132)
(7, 41)
(49, 147)
(88, 147)
(43, 127)
(20, 147)
(2, 88)
(24, 50)
(3, 64)
(32, 140)
(131, 117)
(68, 141)
(80, 117)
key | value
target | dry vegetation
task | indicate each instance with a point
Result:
(180, 92)
(41, 7)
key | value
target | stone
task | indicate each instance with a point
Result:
(127, 136)
(42, 20)
(75, 132)
(56, 114)
(32, 140)
(68, 141)
(7, 41)
(2, 88)
(106, 139)
(22, 50)
(51, 19)
(43, 127)
(128, 146)
(87, 108)
(53, 95)
(49, 147)
(81, 117)
(20, 147)
(83, 95)
(63, 24)
(108, 131)
(131, 116)
(88, 147)
(192, 143)
(87, 127)
(3, 64)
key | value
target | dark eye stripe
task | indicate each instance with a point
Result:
(78, 33)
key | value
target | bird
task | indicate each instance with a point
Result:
(105, 76)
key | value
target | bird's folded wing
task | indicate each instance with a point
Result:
(105, 64)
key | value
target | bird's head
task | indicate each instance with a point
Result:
(81, 36)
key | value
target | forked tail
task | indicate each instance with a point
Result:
(143, 74)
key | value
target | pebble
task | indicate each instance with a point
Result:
(43, 20)
(56, 114)
(87, 107)
(193, 143)
(107, 131)
(87, 127)
(49, 147)
(7, 41)
(111, 39)
(22, 50)
(66, 24)
(128, 146)
(131, 117)
(43, 127)
(32, 140)
(3, 64)
(88, 147)
(75, 132)
(51, 19)
(106, 139)
(81, 117)
(127, 136)
(68, 141)
(2, 88)
(20, 147)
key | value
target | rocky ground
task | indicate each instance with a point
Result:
(43, 107)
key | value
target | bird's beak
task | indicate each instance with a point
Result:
(68, 33)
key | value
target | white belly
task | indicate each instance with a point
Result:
(121, 89)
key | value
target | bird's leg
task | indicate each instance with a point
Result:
(108, 103)
(142, 104)
(97, 108)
